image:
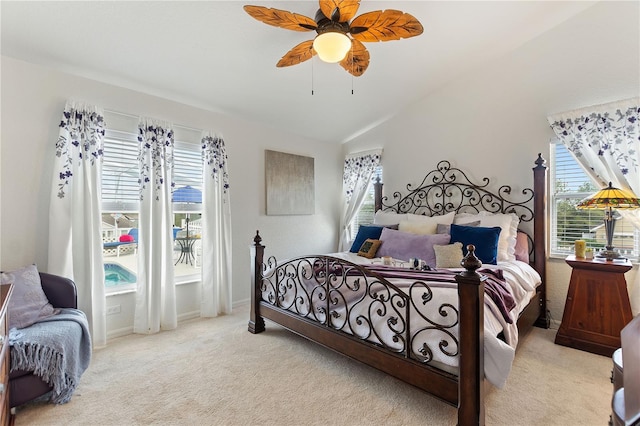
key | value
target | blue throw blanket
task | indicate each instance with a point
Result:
(57, 349)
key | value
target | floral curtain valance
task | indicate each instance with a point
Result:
(604, 138)
(215, 159)
(358, 168)
(155, 156)
(81, 137)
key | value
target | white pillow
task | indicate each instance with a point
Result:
(445, 219)
(422, 225)
(388, 218)
(508, 223)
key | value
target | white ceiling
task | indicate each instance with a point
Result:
(212, 55)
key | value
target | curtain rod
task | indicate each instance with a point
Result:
(125, 114)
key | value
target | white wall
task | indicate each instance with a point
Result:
(33, 98)
(493, 120)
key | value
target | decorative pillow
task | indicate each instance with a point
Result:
(368, 231)
(28, 303)
(448, 256)
(418, 228)
(369, 248)
(522, 247)
(126, 238)
(446, 228)
(365, 232)
(447, 219)
(388, 218)
(508, 222)
(403, 245)
(484, 239)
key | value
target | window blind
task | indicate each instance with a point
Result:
(120, 172)
(569, 185)
(187, 171)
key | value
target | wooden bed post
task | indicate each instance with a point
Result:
(539, 234)
(256, 322)
(471, 336)
(377, 192)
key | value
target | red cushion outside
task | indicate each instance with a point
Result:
(126, 238)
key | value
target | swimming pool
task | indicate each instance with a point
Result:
(115, 275)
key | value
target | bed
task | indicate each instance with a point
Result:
(440, 328)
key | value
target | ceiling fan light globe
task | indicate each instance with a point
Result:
(332, 46)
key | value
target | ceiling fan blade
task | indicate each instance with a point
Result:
(298, 54)
(357, 60)
(347, 9)
(385, 26)
(281, 18)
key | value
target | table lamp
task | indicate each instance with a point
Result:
(610, 198)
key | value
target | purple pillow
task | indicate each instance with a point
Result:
(404, 245)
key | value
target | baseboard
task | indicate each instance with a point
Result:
(240, 303)
(188, 315)
(125, 331)
(182, 317)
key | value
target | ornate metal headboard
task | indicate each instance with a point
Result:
(448, 189)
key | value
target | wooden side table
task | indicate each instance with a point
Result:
(597, 305)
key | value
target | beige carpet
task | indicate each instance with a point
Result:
(214, 372)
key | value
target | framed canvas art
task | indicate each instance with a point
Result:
(290, 184)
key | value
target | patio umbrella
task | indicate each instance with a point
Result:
(187, 194)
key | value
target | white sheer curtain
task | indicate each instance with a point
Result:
(605, 140)
(216, 228)
(75, 240)
(358, 171)
(155, 296)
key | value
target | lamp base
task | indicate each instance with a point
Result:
(609, 254)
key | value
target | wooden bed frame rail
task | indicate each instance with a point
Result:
(466, 390)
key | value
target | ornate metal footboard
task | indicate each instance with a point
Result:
(360, 314)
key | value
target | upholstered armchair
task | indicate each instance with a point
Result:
(24, 386)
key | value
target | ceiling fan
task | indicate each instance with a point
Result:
(340, 35)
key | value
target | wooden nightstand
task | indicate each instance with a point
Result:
(597, 305)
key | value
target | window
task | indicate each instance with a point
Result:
(120, 204)
(367, 209)
(570, 184)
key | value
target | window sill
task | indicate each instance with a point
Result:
(120, 292)
(187, 279)
(182, 280)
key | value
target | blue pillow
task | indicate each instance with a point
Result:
(365, 232)
(484, 239)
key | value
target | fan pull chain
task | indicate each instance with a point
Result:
(312, 75)
(352, 66)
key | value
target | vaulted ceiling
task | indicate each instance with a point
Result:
(212, 55)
